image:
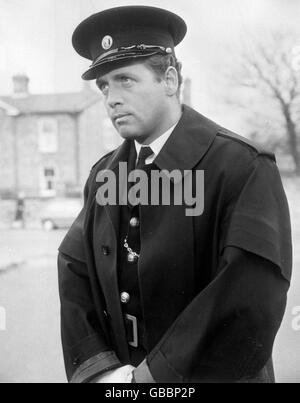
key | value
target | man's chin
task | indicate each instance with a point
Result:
(128, 134)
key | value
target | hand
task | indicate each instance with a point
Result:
(120, 375)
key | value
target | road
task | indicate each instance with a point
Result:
(30, 349)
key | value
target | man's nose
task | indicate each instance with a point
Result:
(114, 97)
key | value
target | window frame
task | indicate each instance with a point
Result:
(46, 145)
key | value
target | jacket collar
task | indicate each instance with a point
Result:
(189, 142)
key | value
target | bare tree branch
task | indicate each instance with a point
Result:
(267, 69)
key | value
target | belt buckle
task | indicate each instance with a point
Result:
(133, 320)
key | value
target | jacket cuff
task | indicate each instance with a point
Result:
(142, 374)
(96, 366)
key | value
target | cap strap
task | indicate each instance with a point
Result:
(135, 48)
(147, 47)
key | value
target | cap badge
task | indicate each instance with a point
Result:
(107, 42)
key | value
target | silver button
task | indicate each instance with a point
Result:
(134, 222)
(125, 297)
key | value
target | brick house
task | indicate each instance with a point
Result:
(49, 142)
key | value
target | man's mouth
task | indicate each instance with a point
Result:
(118, 118)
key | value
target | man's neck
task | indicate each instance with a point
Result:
(173, 118)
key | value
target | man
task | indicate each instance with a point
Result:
(20, 211)
(150, 293)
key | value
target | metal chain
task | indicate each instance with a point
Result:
(126, 246)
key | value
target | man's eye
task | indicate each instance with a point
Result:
(126, 80)
(102, 87)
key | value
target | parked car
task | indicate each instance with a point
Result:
(60, 213)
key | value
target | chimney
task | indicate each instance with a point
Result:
(187, 92)
(20, 84)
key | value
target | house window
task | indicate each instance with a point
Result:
(47, 131)
(48, 182)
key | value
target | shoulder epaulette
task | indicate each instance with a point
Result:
(243, 140)
(102, 158)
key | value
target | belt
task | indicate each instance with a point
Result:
(134, 331)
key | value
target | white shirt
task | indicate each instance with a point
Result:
(156, 145)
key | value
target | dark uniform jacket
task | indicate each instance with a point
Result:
(212, 288)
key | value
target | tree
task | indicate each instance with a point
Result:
(270, 70)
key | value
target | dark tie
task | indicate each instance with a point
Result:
(145, 153)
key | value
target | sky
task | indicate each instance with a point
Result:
(35, 39)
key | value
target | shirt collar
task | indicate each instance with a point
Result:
(157, 144)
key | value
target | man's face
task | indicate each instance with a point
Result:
(136, 101)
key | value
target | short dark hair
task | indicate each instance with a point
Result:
(159, 64)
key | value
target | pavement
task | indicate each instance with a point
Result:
(30, 348)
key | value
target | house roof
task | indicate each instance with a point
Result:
(50, 103)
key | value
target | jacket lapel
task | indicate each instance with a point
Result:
(106, 233)
(167, 234)
(124, 154)
(189, 142)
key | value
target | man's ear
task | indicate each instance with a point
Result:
(172, 81)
